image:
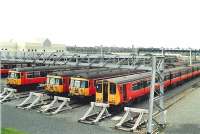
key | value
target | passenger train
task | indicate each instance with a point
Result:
(31, 77)
(84, 84)
(122, 90)
(58, 82)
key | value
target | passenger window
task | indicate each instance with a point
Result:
(183, 72)
(136, 86)
(145, 84)
(43, 74)
(156, 80)
(149, 83)
(30, 75)
(36, 74)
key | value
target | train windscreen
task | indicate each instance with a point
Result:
(84, 84)
(112, 88)
(54, 81)
(99, 87)
(14, 75)
(79, 83)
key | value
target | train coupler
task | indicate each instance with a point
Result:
(132, 119)
(7, 94)
(99, 112)
(58, 104)
(33, 100)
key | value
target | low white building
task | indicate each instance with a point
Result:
(36, 45)
(9, 46)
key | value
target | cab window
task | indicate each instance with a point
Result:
(77, 83)
(71, 83)
(14, 75)
(99, 87)
(84, 84)
(112, 88)
(58, 81)
(17, 75)
(50, 80)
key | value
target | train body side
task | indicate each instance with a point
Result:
(131, 90)
(175, 78)
(25, 79)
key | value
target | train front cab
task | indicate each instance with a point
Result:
(14, 78)
(107, 92)
(57, 84)
(82, 87)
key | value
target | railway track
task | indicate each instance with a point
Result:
(54, 109)
(9, 94)
(170, 98)
(49, 105)
(180, 92)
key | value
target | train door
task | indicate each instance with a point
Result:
(124, 93)
(105, 91)
(66, 82)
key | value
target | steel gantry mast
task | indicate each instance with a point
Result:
(158, 101)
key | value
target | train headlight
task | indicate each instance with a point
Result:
(76, 90)
(99, 100)
(82, 90)
(50, 88)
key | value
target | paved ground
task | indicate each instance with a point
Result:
(180, 119)
(184, 116)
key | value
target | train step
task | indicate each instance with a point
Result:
(94, 118)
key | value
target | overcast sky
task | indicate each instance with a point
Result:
(144, 23)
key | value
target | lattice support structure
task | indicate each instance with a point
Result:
(157, 73)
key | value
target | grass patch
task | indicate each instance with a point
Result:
(11, 131)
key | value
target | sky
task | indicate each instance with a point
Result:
(121, 23)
